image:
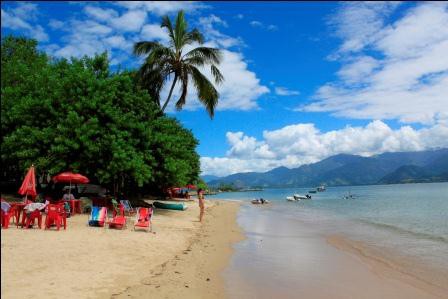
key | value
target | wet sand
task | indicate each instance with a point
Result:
(181, 259)
(292, 259)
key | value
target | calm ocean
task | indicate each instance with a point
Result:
(409, 221)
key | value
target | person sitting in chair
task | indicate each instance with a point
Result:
(68, 195)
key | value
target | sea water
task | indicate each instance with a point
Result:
(408, 221)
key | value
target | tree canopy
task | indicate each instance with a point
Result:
(77, 114)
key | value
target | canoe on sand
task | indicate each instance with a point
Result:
(170, 206)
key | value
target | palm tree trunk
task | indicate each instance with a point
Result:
(171, 92)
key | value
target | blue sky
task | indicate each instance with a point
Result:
(303, 80)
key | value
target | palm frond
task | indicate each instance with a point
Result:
(166, 22)
(193, 36)
(219, 78)
(209, 55)
(207, 94)
(145, 47)
(180, 29)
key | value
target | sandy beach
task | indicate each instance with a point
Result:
(181, 258)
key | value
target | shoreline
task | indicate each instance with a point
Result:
(182, 258)
(389, 265)
(196, 272)
(294, 258)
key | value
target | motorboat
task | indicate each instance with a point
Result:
(299, 196)
(291, 198)
(321, 188)
(260, 201)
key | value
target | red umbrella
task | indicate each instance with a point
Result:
(70, 177)
(189, 186)
(29, 184)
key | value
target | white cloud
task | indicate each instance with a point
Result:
(56, 24)
(256, 24)
(239, 91)
(360, 23)
(239, 16)
(100, 14)
(132, 20)
(408, 78)
(299, 144)
(154, 32)
(162, 7)
(283, 91)
(223, 40)
(272, 28)
(20, 18)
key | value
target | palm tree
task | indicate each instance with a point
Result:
(163, 62)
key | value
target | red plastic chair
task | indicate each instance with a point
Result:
(6, 217)
(56, 215)
(144, 216)
(118, 221)
(28, 219)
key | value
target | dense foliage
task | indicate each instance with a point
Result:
(78, 115)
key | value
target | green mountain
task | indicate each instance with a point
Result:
(346, 169)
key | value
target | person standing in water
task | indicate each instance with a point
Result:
(201, 204)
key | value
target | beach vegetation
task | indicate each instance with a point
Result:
(79, 115)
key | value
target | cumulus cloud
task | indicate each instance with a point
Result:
(299, 144)
(116, 28)
(390, 70)
(240, 90)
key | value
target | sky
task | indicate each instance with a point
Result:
(303, 80)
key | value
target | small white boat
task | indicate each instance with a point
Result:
(291, 198)
(260, 201)
(321, 188)
(299, 196)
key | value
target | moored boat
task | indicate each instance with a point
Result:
(299, 196)
(170, 206)
(291, 198)
(260, 201)
(321, 188)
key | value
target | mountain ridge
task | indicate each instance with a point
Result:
(346, 169)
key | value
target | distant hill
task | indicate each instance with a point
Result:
(346, 169)
(208, 178)
(435, 171)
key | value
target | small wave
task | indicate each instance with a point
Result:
(401, 230)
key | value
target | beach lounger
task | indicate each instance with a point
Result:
(127, 206)
(143, 219)
(118, 220)
(98, 216)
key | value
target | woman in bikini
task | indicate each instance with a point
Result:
(201, 204)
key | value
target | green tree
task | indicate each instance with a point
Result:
(162, 63)
(78, 115)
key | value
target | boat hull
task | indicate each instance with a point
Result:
(170, 206)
